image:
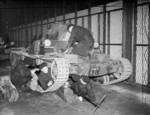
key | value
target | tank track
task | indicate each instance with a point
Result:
(62, 66)
(122, 75)
(8, 89)
(17, 54)
(62, 75)
(14, 59)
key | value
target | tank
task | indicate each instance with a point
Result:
(5, 48)
(102, 68)
(7, 89)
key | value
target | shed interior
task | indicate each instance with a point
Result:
(120, 27)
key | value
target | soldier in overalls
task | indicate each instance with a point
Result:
(80, 41)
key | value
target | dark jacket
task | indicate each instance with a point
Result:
(81, 89)
(84, 39)
(44, 78)
(20, 75)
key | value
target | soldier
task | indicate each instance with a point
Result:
(82, 87)
(80, 40)
(42, 75)
(20, 75)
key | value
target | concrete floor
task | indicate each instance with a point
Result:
(121, 99)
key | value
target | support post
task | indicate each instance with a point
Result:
(55, 11)
(128, 40)
(64, 4)
(149, 48)
(127, 29)
(41, 19)
(89, 15)
(98, 28)
(104, 28)
(31, 24)
(108, 30)
(26, 26)
(76, 7)
(134, 39)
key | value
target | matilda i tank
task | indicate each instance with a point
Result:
(54, 50)
(100, 67)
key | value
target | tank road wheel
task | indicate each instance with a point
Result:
(14, 59)
(124, 73)
(60, 66)
(7, 89)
